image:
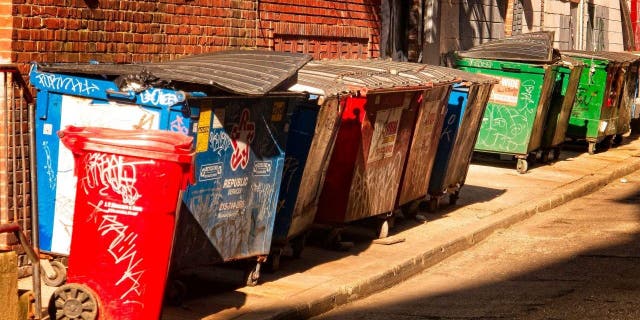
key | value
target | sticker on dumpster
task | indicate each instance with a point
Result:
(202, 139)
(47, 129)
(242, 135)
(210, 171)
(506, 92)
(218, 118)
(385, 132)
(278, 111)
(262, 168)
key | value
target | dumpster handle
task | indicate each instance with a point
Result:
(121, 94)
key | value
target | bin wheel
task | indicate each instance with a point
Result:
(544, 156)
(556, 153)
(522, 166)
(26, 305)
(252, 275)
(453, 198)
(60, 277)
(176, 292)
(434, 203)
(592, 148)
(297, 245)
(617, 139)
(73, 301)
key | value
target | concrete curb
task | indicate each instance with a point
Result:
(476, 233)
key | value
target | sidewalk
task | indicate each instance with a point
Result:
(495, 196)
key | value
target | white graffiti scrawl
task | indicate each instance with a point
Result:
(60, 82)
(123, 250)
(112, 172)
(159, 98)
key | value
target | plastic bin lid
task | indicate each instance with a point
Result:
(151, 144)
(248, 72)
(345, 76)
(622, 57)
(534, 47)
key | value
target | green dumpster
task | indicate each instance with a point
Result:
(562, 100)
(599, 113)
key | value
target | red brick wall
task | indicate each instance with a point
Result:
(128, 31)
(324, 29)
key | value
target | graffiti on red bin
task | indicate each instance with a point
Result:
(242, 135)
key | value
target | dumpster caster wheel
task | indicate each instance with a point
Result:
(434, 203)
(60, 274)
(592, 148)
(252, 275)
(522, 166)
(545, 156)
(73, 301)
(453, 198)
(176, 292)
(556, 153)
(617, 139)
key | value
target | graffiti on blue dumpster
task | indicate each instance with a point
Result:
(242, 134)
(450, 128)
(58, 82)
(177, 125)
(48, 165)
(159, 97)
(219, 141)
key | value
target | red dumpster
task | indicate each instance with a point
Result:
(128, 189)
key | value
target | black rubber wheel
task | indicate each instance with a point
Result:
(556, 153)
(434, 203)
(522, 166)
(453, 198)
(60, 277)
(273, 262)
(544, 156)
(176, 292)
(617, 139)
(73, 301)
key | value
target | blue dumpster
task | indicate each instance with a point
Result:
(465, 108)
(224, 99)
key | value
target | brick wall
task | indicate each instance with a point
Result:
(324, 29)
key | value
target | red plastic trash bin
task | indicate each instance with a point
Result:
(128, 189)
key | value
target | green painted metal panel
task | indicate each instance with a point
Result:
(562, 101)
(514, 118)
(592, 117)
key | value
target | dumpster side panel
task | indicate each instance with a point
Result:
(590, 106)
(239, 162)
(424, 145)
(386, 135)
(301, 135)
(315, 168)
(543, 108)
(626, 101)
(56, 183)
(466, 139)
(456, 107)
(348, 147)
(513, 106)
(561, 105)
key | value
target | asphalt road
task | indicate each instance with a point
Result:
(578, 261)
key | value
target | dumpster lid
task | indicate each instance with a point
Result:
(153, 144)
(569, 61)
(534, 47)
(339, 76)
(248, 72)
(621, 57)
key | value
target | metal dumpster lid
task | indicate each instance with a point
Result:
(534, 47)
(622, 57)
(332, 77)
(249, 72)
